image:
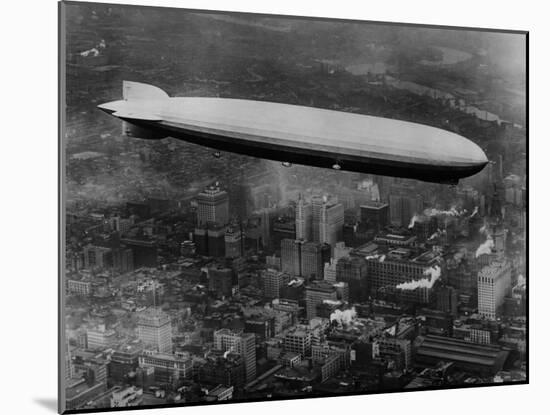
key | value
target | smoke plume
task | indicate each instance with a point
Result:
(343, 318)
(453, 211)
(438, 233)
(414, 219)
(434, 273)
(485, 247)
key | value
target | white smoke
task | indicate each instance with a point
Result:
(414, 219)
(343, 318)
(227, 353)
(485, 247)
(93, 52)
(434, 273)
(453, 211)
(438, 233)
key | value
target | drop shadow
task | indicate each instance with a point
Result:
(48, 403)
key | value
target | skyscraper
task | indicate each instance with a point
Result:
(155, 330)
(216, 240)
(493, 283)
(213, 206)
(200, 237)
(304, 217)
(327, 220)
(312, 261)
(403, 207)
(241, 343)
(291, 256)
(316, 206)
(375, 215)
(329, 274)
(353, 270)
(233, 242)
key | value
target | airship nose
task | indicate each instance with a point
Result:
(478, 155)
(110, 107)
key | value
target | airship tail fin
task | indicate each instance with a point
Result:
(137, 90)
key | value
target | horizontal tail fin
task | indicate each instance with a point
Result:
(137, 90)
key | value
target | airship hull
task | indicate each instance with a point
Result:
(302, 135)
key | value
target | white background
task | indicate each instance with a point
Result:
(28, 255)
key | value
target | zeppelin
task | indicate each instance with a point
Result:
(299, 134)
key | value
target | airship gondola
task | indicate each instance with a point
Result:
(294, 134)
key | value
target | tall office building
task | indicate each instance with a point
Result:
(213, 206)
(233, 242)
(155, 330)
(327, 220)
(216, 240)
(353, 271)
(284, 227)
(317, 203)
(331, 223)
(403, 207)
(329, 274)
(273, 282)
(375, 215)
(493, 283)
(304, 217)
(200, 238)
(263, 217)
(312, 261)
(241, 343)
(291, 256)
(499, 238)
(316, 293)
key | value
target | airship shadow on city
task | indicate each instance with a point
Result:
(298, 134)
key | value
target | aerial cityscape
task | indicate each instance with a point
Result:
(197, 276)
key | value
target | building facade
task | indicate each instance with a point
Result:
(212, 206)
(155, 330)
(493, 283)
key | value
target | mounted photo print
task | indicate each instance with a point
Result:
(264, 207)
